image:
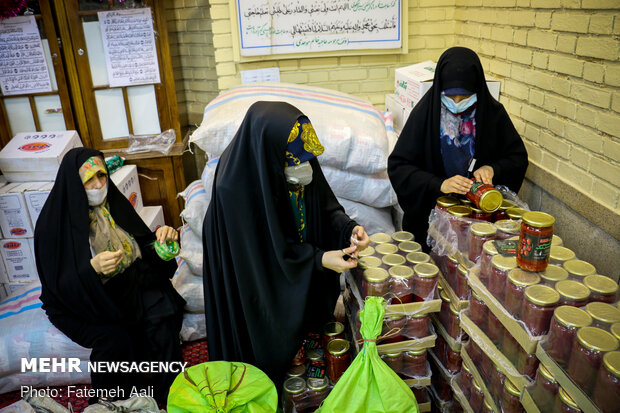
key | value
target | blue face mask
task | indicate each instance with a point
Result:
(462, 106)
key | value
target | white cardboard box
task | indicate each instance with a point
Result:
(19, 260)
(36, 156)
(400, 113)
(14, 219)
(35, 196)
(126, 180)
(153, 216)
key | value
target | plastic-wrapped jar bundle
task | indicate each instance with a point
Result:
(496, 381)
(444, 312)
(564, 325)
(394, 361)
(417, 326)
(488, 252)
(517, 281)
(501, 213)
(295, 397)
(401, 284)
(579, 269)
(338, 359)
(332, 331)
(538, 306)
(545, 389)
(394, 325)
(317, 392)
(603, 314)
(459, 225)
(445, 202)
(527, 364)
(572, 293)
(515, 213)
(535, 241)
(500, 267)
(375, 282)
(558, 255)
(401, 236)
(417, 257)
(450, 270)
(379, 238)
(479, 233)
(587, 355)
(476, 400)
(552, 274)
(507, 228)
(453, 326)
(461, 289)
(478, 311)
(453, 360)
(480, 215)
(564, 403)
(603, 289)
(607, 389)
(425, 281)
(510, 399)
(466, 380)
(414, 363)
(495, 329)
(407, 247)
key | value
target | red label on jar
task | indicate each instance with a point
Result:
(533, 247)
(476, 185)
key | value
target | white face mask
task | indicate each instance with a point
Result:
(299, 174)
(97, 196)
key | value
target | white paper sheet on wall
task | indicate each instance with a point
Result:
(271, 74)
(22, 60)
(129, 46)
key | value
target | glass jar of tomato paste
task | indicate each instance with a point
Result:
(459, 225)
(507, 228)
(478, 310)
(535, 241)
(480, 215)
(417, 325)
(538, 306)
(476, 400)
(485, 197)
(390, 260)
(384, 249)
(295, 397)
(564, 403)
(488, 252)
(607, 388)
(379, 238)
(453, 327)
(603, 314)
(466, 380)
(317, 392)
(518, 280)
(401, 236)
(375, 282)
(407, 247)
(499, 274)
(556, 240)
(511, 402)
(332, 331)
(394, 326)
(558, 255)
(445, 202)
(425, 281)
(461, 289)
(579, 269)
(496, 381)
(417, 257)
(338, 358)
(545, 389)
(444, 312)
(572, 293)
(564, 325)
(450, 270)
(515, 213)
(495, 329)
(394, 361)
(479, 233)
(527, 364)
(414, 363)
(401, 284)
(552, 275)
(501, 213)
(453, 360)
(603, 289)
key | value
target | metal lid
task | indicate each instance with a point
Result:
(394, 355)
(512, 389)
(454, 310)
(601, 284)
(476, 296)
(295, 385)
(466, 367)
(338, 347)
(573, 290)
(516, 213)
(476, 384)
(380, 238)
(579, 268)
(417, 352)
(508, 225)
(296, 371)
(418, 257)
(477, 210)
(483, 229)
(314, 355)
(542, 295)
(466, 201)
(546, 373)
(611, 361)
(489, 248)
(487, 404)
(409, 246)
(393, 259)
(603, 312)
(376, 275)
(522, 278)
(504, 263)
(447, 201)
(538, 219)
(491, 200)
(506, 204)
(596, 339)
(556, 240)
(366, 252)
(383, 249)
(401, 271)
(562, 254)
(400, 236)
(462, 269)
(572, 317)
(566, 399)
(453, 259)
(615, 330)
(444, 296)
(554, 273)
(370, 262)
(318, 384)
(426, 270)
(333, 328)
(459, 211)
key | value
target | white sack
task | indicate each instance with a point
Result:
(189, 286)
(196, 204)
(372, 219)
(191, 249)
(194, 327)
(373, 190)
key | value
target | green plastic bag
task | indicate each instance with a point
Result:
(222, 387)
(369, 385)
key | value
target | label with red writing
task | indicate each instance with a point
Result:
(476, 186)
(533, 247)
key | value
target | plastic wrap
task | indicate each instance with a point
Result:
(196, 203)
(157, 143)
(194, 327)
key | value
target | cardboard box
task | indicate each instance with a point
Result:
(14, 218)
(400, 112)
(153, 216)
(35, 197)
(19, 260)
(126, 180)
(36, 156)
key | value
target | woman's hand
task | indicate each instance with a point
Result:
(359, 238)
(166, 233)
(457, 184)
(106, 262)
(334, 260)
(484, 174)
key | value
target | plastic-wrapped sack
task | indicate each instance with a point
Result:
(374, 190)
(222, 387)
(194, 327)
(372, 219)
(351, 129)
(208, 174)
(369, 385)
(191, 250)
(196, 203)
(190, 287)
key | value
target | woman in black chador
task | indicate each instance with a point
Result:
(457, 125)
(274, 239)
(104, 286)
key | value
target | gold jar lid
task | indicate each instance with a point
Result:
(400, 236)
(462, 269)
(380, 238)
(447, 201)
(297, 371)
(553, 273)
(579, 268)
(487, 405)
(418, 257)
(393, 259)
(556, 240)
(426, 270)
(572, 317)
(522, 278)
(401, 271)
(483, 229)
(466, 367)
(417, 315)
(376, 275)
(611, 361)
(454, 310)
(333, 328)
(615, 330)
(338, 347)
(444, 296)
(546, 373)
(601, 284)
(366, 252)
(394, 355)
(596, 339)
(459, 211)
(409, 246)
(512, 389)
(295, 385)
(515, 213)
(476, 210)
(561, 254)
(417, 352)
(384, 249)
(318, 384)
(542, 295)
(603, 312)
(573, 290)
(538, 219)
(566, 399)
(508, 225)
(491, 200)
(395, 317)
(489, 248)
(506, 204)
(453, 259)
(476, 296)
(369, 262)
(314, 355)
(477, 385)
(504, 263)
